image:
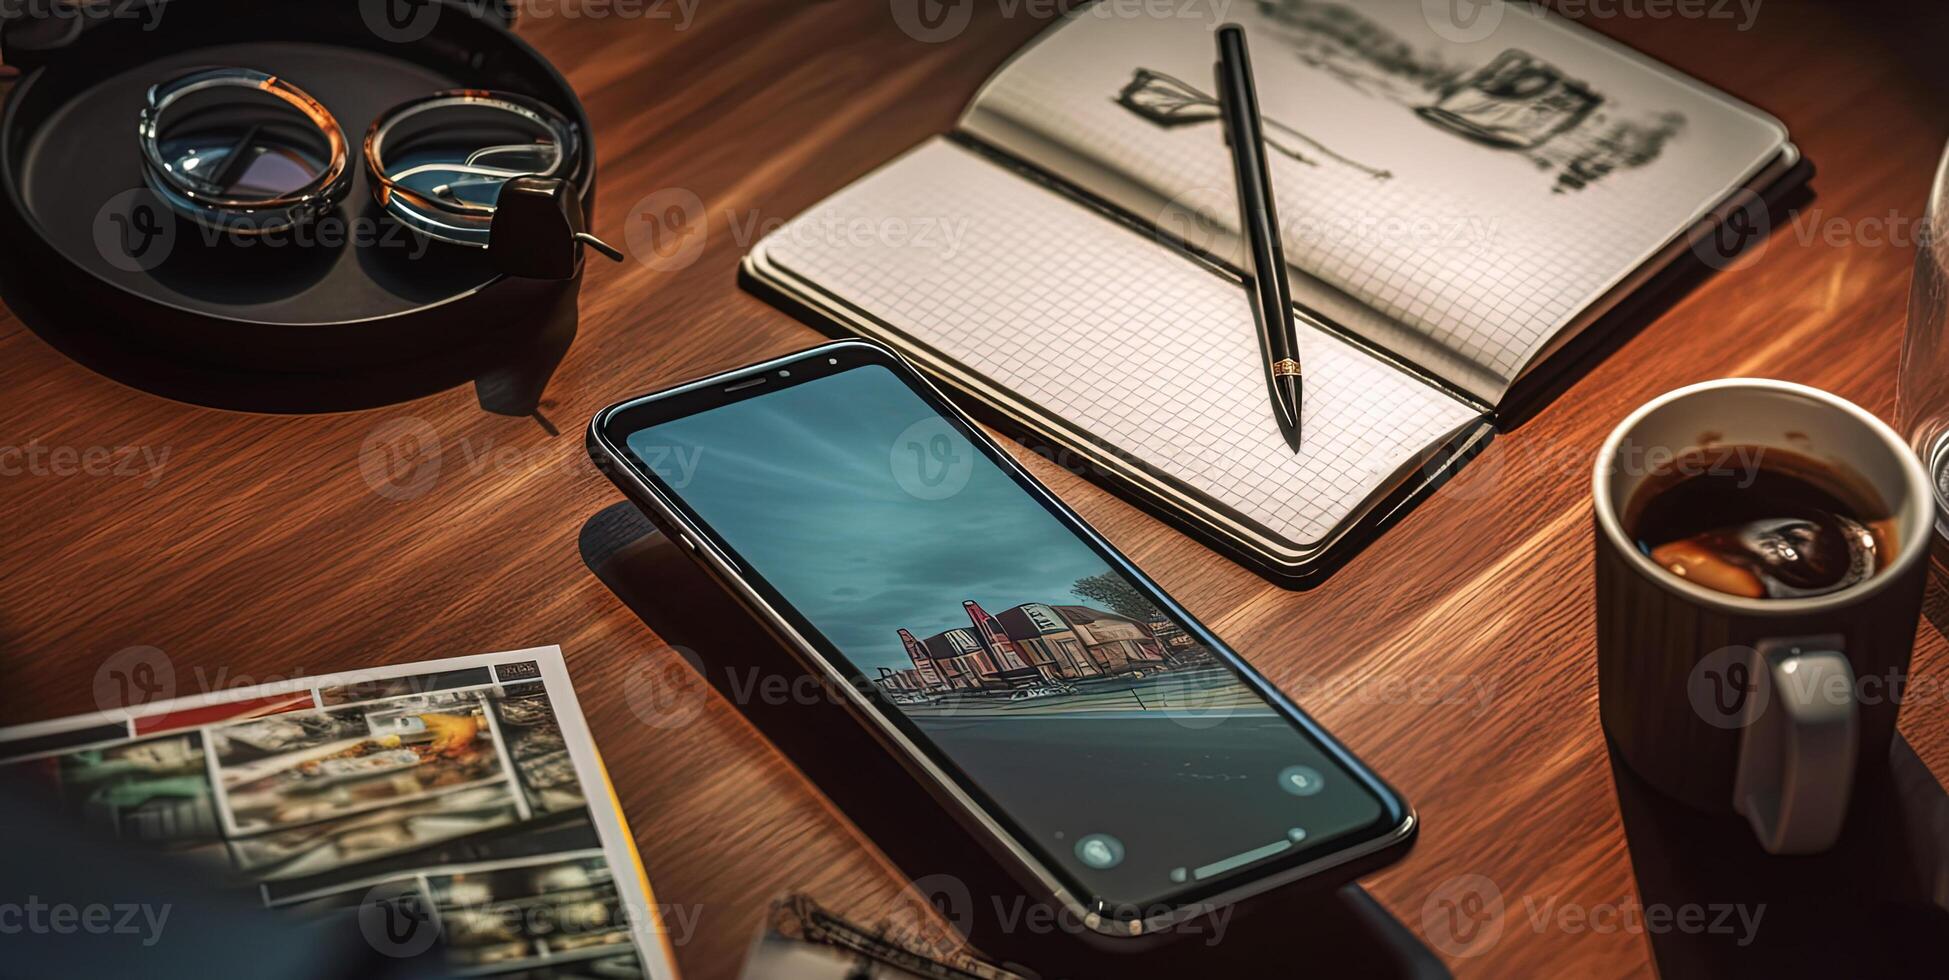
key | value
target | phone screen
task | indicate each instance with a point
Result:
(1116, 737)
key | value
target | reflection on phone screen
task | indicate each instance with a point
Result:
(1119, 743)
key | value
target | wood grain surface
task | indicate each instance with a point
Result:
(1455, 654)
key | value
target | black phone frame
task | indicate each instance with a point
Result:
(1334, 862)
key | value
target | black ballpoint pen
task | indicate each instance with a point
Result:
(1238, 105)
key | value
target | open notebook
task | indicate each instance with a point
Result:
(1453, 215)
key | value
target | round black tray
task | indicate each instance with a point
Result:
(372, 293)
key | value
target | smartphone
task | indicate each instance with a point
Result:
(1127, 763)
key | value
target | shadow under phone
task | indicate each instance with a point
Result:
(1344, 932)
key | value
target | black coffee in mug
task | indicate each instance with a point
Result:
(1770, 540)
(1761, 523)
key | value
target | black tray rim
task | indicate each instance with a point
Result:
(11, 134)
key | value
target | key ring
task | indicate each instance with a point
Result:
(438, 163)
(485, 170)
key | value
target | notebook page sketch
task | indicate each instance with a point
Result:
(1478, 196)
(1147, 352)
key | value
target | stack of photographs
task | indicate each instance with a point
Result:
(463, 794)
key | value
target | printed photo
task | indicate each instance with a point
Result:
(540, 753)
(154, 791)
(321, 847)
(455, 789)
(298, 769)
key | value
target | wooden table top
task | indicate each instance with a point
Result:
(259, 549)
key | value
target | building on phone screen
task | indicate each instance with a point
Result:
(1036, 644)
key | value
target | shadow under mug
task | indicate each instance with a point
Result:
(1765, 707)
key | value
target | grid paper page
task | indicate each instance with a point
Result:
(1144, 350)
(1485, 250)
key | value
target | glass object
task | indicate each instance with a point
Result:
(1924, 384)
(242, 151)
(439, 164)
(246, 152)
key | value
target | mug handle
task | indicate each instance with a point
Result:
(1796, 763)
